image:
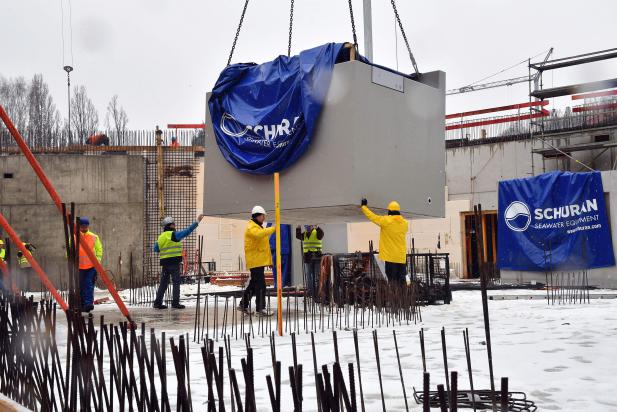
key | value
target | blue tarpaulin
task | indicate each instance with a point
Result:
(264, 115)
(285, 254)
(554, 221)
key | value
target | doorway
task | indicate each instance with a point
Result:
(489, 242)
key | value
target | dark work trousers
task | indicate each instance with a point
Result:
(396, 272)
(87, 279)
(170, 270)
(257, 288)
(312, 271)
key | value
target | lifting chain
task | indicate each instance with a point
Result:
(353, 26)
(233, 46)
(400, 26)
(291, 22)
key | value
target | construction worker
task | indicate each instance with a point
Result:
(258, 256)
(169, 248)
(99, 139)
(25, 269)
(2, 255)
(392, 247)
(311, 249)
(174, 142)
(87, 271)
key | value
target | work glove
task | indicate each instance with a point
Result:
(364, 202)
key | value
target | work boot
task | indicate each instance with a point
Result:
(265, 313)
(159, 306)
(178, 306)
(242, 309)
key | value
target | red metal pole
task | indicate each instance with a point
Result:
(56, 198)
(454, 126)
(595, 107)
(498, 109)
(594, 95)
(17, 242)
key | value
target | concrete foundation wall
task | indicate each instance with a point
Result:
(371, 141)
(109, 189)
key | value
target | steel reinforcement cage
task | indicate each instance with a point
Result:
(428, 271)
(431, 272)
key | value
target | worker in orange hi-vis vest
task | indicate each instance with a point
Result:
(174, 142)
(87, 271)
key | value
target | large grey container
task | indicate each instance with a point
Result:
(380, 136)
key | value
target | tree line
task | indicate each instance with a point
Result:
(33, 111)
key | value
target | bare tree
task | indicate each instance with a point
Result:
(116, 118)
(14, 99)
(43, 117)
(84, 117)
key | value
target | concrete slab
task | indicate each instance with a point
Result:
(371, 141)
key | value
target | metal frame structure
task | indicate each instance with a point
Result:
(538, 93)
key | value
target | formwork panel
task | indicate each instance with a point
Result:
(371, 141)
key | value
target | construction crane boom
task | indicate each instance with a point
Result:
(498, 83)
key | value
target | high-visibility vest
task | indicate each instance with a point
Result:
(90, 240)
(21, 258)
(167, 247)
(2, 250)
(310, 242)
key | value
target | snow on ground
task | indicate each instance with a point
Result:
(562, 356)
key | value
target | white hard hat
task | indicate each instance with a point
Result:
(258, 210)
(167, 221)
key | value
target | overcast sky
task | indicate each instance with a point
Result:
(161, 56)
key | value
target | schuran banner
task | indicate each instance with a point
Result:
(264, 115)
(554, 221)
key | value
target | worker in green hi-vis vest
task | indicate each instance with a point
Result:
(311, 250)
(25, 269)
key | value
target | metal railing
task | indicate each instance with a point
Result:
(588, 116)
(60, 141)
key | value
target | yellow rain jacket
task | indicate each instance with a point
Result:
(392, 246)
(257, 245)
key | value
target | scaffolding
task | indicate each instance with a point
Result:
(170, 189)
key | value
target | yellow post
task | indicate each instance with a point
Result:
(279, 277)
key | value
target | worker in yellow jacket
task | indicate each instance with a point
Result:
(258, 256)
(392, 245)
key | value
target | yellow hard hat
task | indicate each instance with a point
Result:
(394, 206)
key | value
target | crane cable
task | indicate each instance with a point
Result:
(353, 26)
(400, 26)
(291, 22)
(233, 46)
(291, 16)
